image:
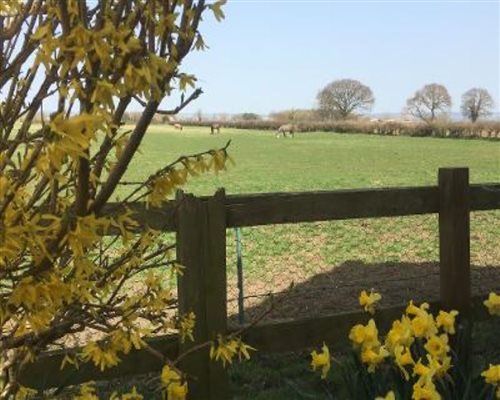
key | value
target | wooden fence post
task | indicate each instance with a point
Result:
(201, 249)
(454, 239)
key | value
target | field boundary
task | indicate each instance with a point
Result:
(200, 225)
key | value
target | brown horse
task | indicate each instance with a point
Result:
(214, 128)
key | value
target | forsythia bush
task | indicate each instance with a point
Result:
(69, 261)
(413, 361)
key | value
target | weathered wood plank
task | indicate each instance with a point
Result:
(484, 196)
(162, 218)
(454, 239)
(47, 372)
(323, 206)
(192, 227)
(272, 337)
(275, 208)
(266, 337)
(454, 254)
(215, 282)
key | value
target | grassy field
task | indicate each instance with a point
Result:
(321, 161)
(273, 255)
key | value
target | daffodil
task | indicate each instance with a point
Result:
(366, 336)
(368, 301)
(492, 374)
(446, 320)
(437, 346)
(400, 334)
(426, 391)
(493, 303)
(403, 357)
(422, 370)
(439, 365)
(389, 396)
(373, 356)
(321, 360)
(412, 309)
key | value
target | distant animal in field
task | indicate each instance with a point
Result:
(214, 128)
(178, 126)
(283, 130)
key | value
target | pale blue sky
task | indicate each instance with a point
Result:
(273, 55)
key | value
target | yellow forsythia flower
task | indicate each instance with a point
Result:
(171, 379)
(169, 375)
(492, 374)
(446, 320)
(493, 303)
(368, 301)
(321, 360)
(177, 391)
(388, 396)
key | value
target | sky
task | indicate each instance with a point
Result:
(272, 55)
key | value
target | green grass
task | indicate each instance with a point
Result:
(318, 161)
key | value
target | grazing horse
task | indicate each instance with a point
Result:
(214, 128)
(284, 129)
(178, 126)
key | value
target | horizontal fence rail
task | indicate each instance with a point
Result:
(284, 208)
(268, 337)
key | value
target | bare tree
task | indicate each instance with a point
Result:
(429, 102)
(344, 97)
(476, 103)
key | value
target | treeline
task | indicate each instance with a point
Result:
(486, 129)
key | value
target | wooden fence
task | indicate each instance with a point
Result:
(200, 224)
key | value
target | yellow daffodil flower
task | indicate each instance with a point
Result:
(403, 357)
(492, 374)
(321, 360)
(389, 396)
(400, 334)
(368, 301)
(362, 335)
(373, 356)
(446, 320)
(437, 346)
(426, 391)
(493, 303)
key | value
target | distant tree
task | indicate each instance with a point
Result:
(429, 102)
(476, 103)
(343, 98)
(248, 116)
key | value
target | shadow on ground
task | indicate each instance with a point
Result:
(337, 290)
